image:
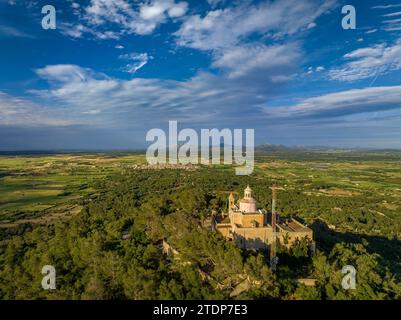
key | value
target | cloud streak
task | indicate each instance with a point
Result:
(21, 112)
(339, 104)
(13, 32)
(369, 62)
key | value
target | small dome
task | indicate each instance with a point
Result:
(247, 192)
(247, 203)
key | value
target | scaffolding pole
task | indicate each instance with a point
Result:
(273, 246)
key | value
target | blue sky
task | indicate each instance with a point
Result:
(112, 70)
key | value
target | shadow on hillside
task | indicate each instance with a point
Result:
(389, 250)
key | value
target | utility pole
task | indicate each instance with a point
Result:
(273, 253)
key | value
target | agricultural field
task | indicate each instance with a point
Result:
(43, 188)
(353, 187)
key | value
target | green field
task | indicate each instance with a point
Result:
(37, 185)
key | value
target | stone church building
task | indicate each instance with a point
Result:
(251, 228)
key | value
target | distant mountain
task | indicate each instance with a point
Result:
(271, 148)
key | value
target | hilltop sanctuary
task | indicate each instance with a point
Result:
(252, 228)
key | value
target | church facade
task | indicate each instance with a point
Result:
(252, 228)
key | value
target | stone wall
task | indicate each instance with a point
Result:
(252, 238)
(247, 220)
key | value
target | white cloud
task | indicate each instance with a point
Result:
(79, 30)
(76, 8)
(26, 4)
(312, 25)
(393, 28)
(157, 10)
(386, 6)
(393, 14)
(95, 111)
(21, 112)
(392, 25)
(312, 70)
(178, 10)
(225, 28)
(64, 73)
(154, 11)
(141, 18)
(13, 32)
(392, 20)
(277, 60)
(356, 101)
(369, 62)
(137, 61)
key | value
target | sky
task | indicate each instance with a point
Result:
(113, 70)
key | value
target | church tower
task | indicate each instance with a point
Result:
(231, 202)
(247, 204)
(248, 192)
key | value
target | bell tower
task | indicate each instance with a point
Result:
(231, 202)
(247, 204)
(248, 192)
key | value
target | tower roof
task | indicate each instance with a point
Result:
(248, 193)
